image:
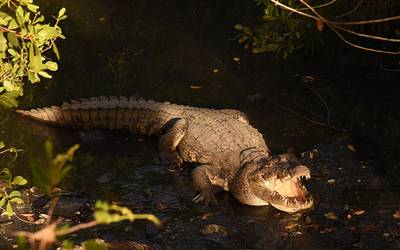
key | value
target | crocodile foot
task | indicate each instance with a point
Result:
(207, 197)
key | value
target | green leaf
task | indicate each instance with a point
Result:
(14, 193)
(55, 50)
(8, 86)
(19, 180)
(61, 12)
(12, 39)
(238, 27)
(5, 174)
(3, 201)
(13, 24)
(17, 200)
(8, 100)
(21, 242)
(32, 7)
(45, 74)
(3, 42)
(9, 210)
(68, 245)
(94, 245)
(53, 66)
(19, 13)
(2, 145)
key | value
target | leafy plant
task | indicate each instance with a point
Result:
(8, 193)
(24, 38)
(287, 26)
(8, 185)
(47, 176)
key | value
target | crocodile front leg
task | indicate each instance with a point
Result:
(206, 180)
(175, 130)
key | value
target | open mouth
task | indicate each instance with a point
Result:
(285, 188)
(290, 194)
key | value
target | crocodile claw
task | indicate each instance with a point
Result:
(207, 197)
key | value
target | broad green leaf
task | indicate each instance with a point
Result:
(12, 52)
(63, 17)
(5, 174)
(19, 14)
(8, 86)
(19, 180)
(13, 24)
(53, 66)
(17, 200)
(61, 12)
(8, 100)
(2, 145)
(9, 210)
(14, 193)
(238, 27)
(44, 74)
(32, 7)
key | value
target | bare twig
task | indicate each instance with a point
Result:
(320, 6)
(388, 69)
(352, 10)
(322, 124)
(328, 113)
(379, 20)
(77, 228)
(336, 25)
(381, 38)
(333, 27)
(50, 212)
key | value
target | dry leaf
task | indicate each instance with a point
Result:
(351, 148)
(195, 87)
(291, 226)
(396, 215)
(320, 25)
(359, 212)
(331, 181)
(331, 216)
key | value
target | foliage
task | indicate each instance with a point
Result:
(110, 213)
(288, 26)
(8, 185)
(47, 176)
(24, 37)
(8, 193)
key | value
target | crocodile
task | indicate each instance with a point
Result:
(227, 152)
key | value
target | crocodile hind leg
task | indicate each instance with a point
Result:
(205, 178)
(174, 131)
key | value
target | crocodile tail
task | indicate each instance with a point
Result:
(116, 113)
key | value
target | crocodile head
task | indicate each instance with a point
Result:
(277, 181)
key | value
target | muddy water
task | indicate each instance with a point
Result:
(184, 53)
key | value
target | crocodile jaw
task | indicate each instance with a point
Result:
(284, 192)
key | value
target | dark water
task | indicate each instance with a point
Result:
(183, 52)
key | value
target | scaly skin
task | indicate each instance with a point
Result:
(230, 153)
